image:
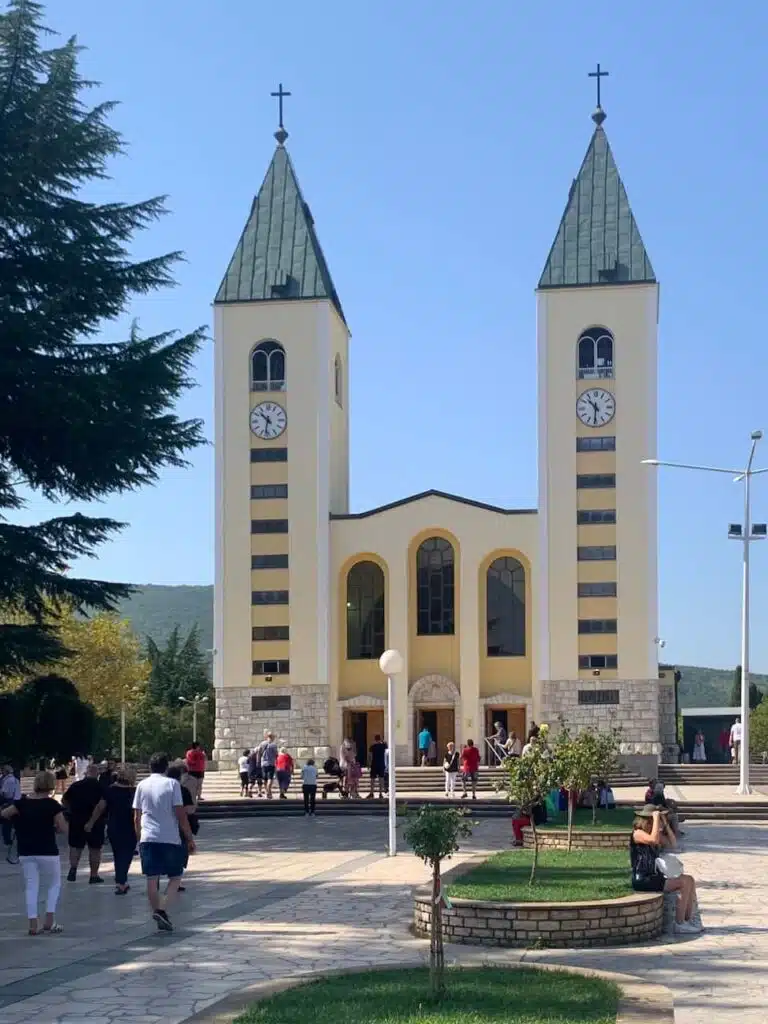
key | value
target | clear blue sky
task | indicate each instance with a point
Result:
(436, 145)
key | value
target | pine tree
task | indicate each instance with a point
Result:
(80, 418)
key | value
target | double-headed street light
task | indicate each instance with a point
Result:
(746, 534)
(391, 664)
(195, 702)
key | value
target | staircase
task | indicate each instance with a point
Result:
(710, 774)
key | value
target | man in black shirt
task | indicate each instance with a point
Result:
(378, 765)
(80, 801)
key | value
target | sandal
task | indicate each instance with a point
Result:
(31, 932)
(55, 929)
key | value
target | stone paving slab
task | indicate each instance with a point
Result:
(269, 899)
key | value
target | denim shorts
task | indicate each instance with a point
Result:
(158, 859)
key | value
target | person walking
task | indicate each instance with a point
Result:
(37, 818)
(80, 801)
(178, 771)
(309, 786)
(451, 769)
(470, 763)
(378, 766)
(735, 737)
(424, 741)
(80, 764)
(117, 803)
(699, 749)
(159, 821)
(283, 771)
(268, 762)
(242, 769)
(10, 792)
(196, 762)
(255, 775)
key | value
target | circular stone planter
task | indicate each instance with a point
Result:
(583, 839)
(619, 922)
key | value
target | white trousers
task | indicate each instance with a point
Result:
(450, 783)
(49, 870)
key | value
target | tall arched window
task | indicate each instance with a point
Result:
(365, 611)
(435, 585)
(338, 381)
(505, 590)
(268, 367)
(595, 353)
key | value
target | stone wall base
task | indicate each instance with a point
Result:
(304, 728)
(557, 839)
(639, 710)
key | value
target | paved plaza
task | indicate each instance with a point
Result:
(268, 898)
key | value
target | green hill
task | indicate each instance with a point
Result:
(154, 611)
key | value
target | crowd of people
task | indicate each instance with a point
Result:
(156, 818)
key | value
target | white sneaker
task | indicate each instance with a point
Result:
(686, 928)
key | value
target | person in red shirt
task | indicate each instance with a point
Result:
(470, 763)
(284, 771)
(196, 763)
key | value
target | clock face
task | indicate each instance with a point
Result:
(595, 407)
(268, 420)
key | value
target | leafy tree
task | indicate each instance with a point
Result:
(180, 669)
(106, 663)
(433, 833)
(47, 719)
(758, 730)
(529, 779)
(80, 418)
(574, 757)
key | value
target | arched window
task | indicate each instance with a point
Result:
(338, 382)
(505, 590)
(595, 353)
(435, 585)
(365, 611)
(268, 367)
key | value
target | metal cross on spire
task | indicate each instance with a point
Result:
(281, 134)
(599, 115)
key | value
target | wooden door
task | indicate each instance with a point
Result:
(446, 731)
(375, 724)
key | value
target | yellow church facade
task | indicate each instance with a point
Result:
(500, 614)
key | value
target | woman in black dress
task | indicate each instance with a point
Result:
(118, 803)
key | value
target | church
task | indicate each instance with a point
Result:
(501, 614)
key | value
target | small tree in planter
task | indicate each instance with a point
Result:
(575, 759)
(528, 781)
(433, 833)
(606, 759)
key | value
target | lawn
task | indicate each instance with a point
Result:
(620, 818)
(561, 877)
(473, 996)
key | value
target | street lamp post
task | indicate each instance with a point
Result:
(195, 702)
(747, 534)
(391, 664)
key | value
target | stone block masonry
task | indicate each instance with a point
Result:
(557, 839)
(238, 726)
(619, 922)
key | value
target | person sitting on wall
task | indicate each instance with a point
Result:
(651, 836)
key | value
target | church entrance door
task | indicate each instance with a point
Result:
(361, 727)
(511, 717)
(441, 723)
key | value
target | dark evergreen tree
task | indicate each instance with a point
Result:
(755, 694)
(48, 720)
(180, 669)
(80, 417)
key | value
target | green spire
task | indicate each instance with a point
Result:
(278, 256)
(598, 241)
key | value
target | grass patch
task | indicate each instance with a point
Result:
(619, 819)
(473, 996)
(561, 877)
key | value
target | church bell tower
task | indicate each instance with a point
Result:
(281, 441)
(597, 312)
